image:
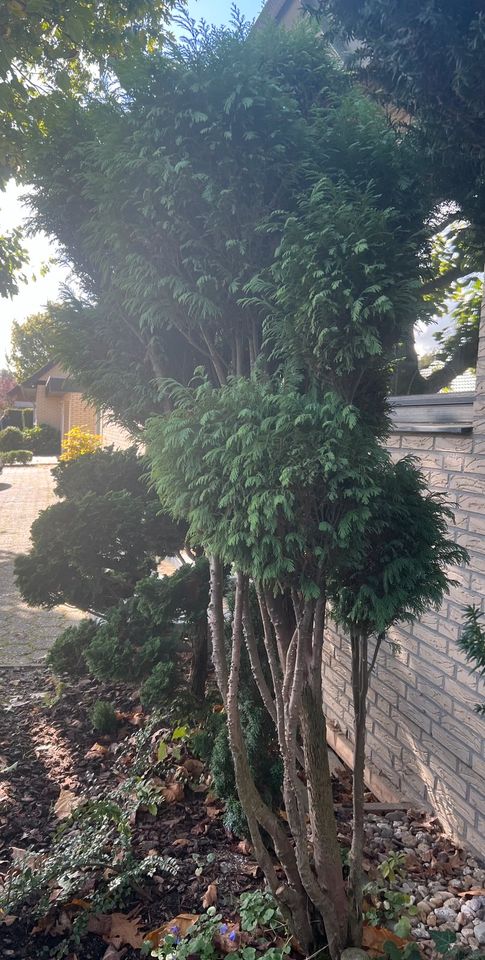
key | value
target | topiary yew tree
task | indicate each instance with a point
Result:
(242, 207)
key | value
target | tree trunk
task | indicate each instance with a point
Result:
(200, 658)
(360, 685)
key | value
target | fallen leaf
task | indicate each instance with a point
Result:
(249, 869)
(97, 750)
(374, 938)
(194, 768)
(100, 924)
(179, 925)
(173, 792)
(26, 858)
(65, 804)
(124, 930)
(213, 812)
(245, 848)
(8, 919)
(181, 842)
(111, 954)
(210, 896)
(474, 892)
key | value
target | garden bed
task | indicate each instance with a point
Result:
(51, 757)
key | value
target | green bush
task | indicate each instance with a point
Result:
(89, 552)
(211, 744)
(11, 439)
(17, 456)
(43, 440)
(103, 717)
(133, 638)
(67, 654)
(159, 685)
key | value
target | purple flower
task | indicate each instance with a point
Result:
(233, 936)
(175, 929)
(223, 928)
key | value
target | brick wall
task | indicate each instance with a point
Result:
(425, 742)
(114, 434)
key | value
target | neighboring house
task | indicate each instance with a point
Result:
(57, 400)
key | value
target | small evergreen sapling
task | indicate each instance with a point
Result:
(472, 642)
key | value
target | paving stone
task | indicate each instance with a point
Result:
(26, 633)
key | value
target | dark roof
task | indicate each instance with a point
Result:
(39, 375)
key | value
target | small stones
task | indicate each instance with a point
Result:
(421, 932)
(423, 909)
(479, 933)
(354, 953)
(445, 915)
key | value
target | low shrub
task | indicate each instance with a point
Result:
(159, 685)
(67, 654)
(78, 442)
(43, 440)
(11, 439)
(17, 456)
(103, 717)
(211, 744)
(132, 639)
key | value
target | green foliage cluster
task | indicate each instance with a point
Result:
(11, 438)
(93, 848)
(207, 936)
(427, 59)
(92, 547)
(472, 642)
(390, 907)
(16, 456)
(42, 440)
(159, 686)
(134, 636)
(67, 652)
(425, 62)
(32, 345)
(103, 717)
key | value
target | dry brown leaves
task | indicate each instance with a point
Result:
(180, 924)
(210, 896)
(374, 938)
(65, 804)
(173, 792)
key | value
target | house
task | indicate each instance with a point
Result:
(58, 401)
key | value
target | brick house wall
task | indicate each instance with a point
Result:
(425, 742)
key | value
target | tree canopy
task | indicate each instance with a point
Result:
(166, 226)
(57, 50)
(424, 61)
(32, 344)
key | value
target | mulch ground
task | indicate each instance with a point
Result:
(46, 746)
(46, 741)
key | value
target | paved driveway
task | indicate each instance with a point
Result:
(26, 633)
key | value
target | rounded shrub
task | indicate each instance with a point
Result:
(43, 440)
(17, 456)
(11, 439)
